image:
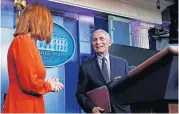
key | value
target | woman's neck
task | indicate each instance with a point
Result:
(33, 39)
(29, 35)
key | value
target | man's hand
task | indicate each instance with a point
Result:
(97, 110)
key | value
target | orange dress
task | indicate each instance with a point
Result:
(26, 78)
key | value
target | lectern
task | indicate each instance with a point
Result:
(152, 86)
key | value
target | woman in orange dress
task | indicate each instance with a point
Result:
(25, 66)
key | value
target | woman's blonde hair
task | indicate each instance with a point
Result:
(36, 19)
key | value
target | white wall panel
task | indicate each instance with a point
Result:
(119, 8)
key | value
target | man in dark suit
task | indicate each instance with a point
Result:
(99, 70)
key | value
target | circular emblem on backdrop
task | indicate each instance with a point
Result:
(60, 50)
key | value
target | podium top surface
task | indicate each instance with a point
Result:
(170, 50)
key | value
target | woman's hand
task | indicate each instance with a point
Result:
(58, 86)
(55, 84)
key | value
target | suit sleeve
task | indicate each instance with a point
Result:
(81, 96)
(24, 57)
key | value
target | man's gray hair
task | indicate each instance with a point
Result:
(103, 31)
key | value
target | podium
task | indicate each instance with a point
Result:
(152, 86)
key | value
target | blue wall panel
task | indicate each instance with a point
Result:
(7, 13)
(101, 23)
(55, 102)
(71, 70)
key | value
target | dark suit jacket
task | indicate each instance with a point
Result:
(90, 77)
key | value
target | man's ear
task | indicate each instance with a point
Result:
(110, 42)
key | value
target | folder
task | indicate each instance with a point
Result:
(100, 97)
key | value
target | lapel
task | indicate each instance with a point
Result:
(98, 70)
(112, 67)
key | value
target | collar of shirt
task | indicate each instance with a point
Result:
(99, 57)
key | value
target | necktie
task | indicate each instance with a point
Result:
(105, 69)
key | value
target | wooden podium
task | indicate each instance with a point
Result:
(152, 86)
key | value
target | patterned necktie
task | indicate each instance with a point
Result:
(105, 69)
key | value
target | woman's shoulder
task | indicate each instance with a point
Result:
(23, 39)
